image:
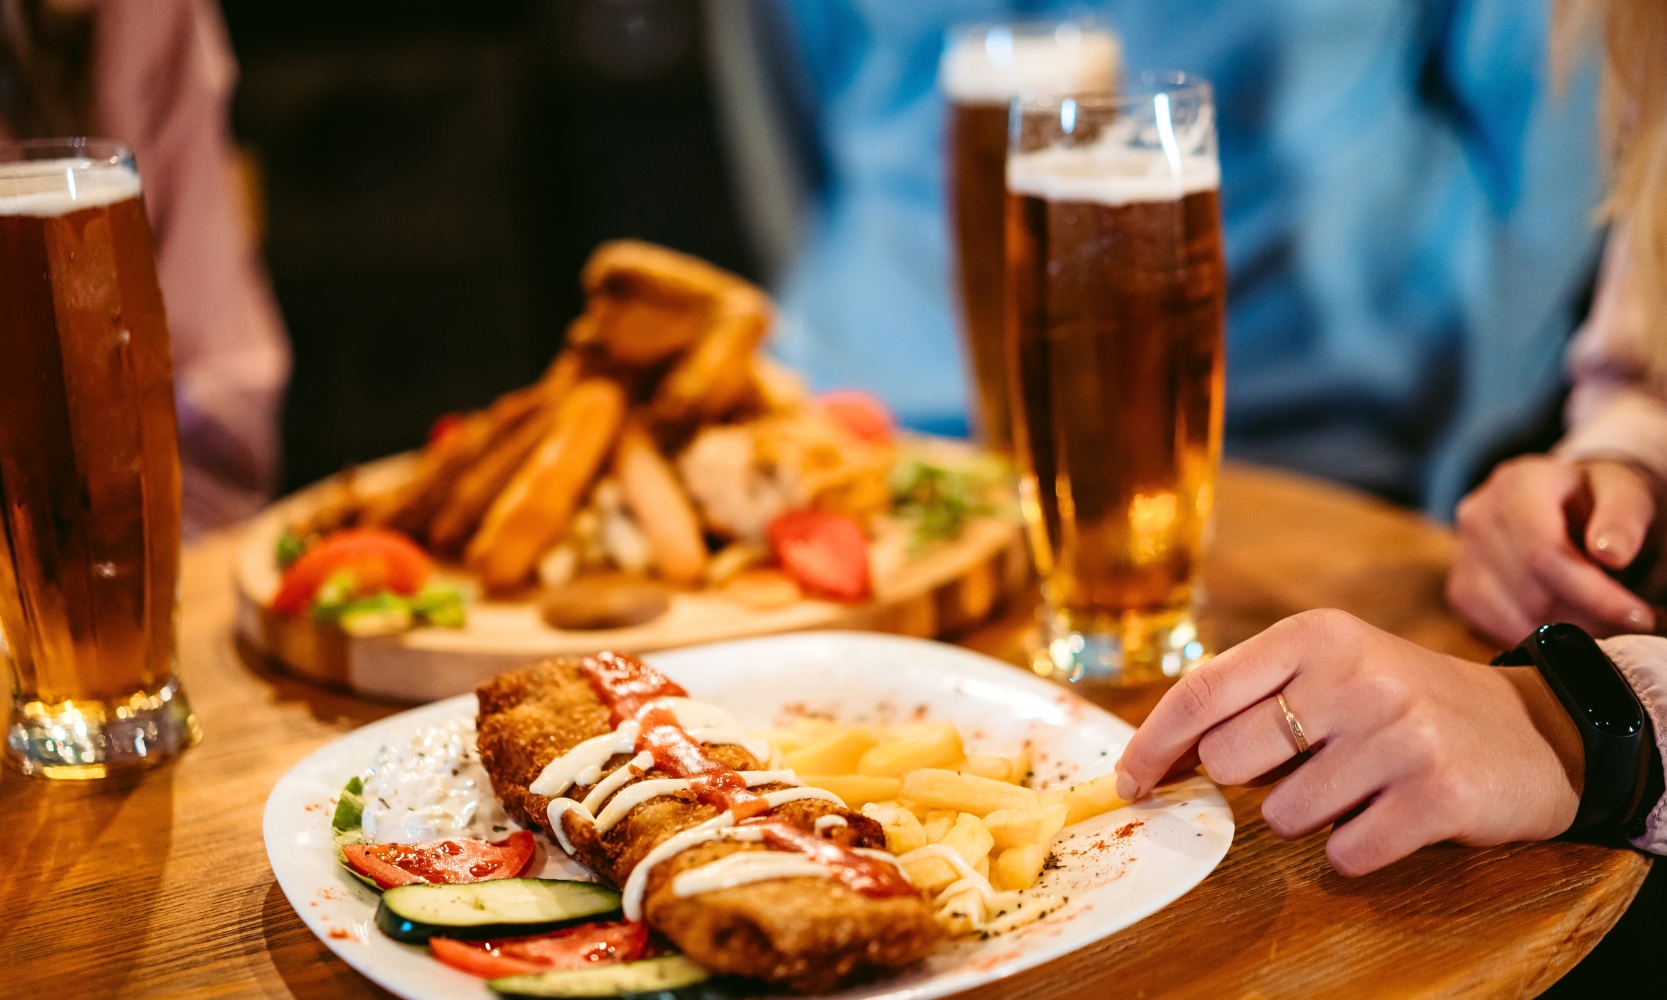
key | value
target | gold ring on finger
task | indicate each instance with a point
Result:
(1297, 735)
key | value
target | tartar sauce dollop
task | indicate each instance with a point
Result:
(432, 787)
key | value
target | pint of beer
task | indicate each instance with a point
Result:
(1116, 313)
(983, 68)
(89, 468)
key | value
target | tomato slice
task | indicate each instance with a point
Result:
(378, 560)
(389, 865)
(568, 948)
(826, 553)
(861, 413)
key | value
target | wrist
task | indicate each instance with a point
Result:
(1551, 720)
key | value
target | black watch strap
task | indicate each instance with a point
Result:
(1622, 763)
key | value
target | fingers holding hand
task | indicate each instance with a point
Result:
(1623, 507)
(1516, 566)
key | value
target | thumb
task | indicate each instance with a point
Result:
(1623, 506)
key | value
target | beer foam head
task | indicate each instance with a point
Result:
(1117, 170)
(57, 187)
(996, 64)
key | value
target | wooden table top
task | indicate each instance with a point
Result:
(158, 886)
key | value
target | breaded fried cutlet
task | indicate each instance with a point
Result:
(809, 934)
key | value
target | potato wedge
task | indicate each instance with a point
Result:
(536, 506)
(655, 495)
(836, 755)
(940, 789)
(1018, 867)
(938, 745)
(1017, 827)
(854, 789)
(714, 377)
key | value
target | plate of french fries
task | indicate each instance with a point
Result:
(664, 483)
(967, 763)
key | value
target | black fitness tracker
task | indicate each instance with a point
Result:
(1623, 768)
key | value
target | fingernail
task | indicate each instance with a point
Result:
(1127, 788)
(1640, 620)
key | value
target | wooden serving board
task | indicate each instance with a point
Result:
(946, 588)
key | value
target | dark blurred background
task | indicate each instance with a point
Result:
(434, 174)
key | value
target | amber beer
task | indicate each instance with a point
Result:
(89, 467)
(1116, 310)
(984, 68)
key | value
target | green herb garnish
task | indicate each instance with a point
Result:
(939, 499)
(290, 547)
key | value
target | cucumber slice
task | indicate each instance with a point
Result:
(505, 907)
(668, 977)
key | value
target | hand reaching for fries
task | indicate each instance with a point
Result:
(919, 783)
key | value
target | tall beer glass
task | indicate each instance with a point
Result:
(89, 468)
(983, 68)
(1116, 305)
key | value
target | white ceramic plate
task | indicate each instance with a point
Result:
(1115, 869)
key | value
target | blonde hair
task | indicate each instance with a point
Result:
(1633, 109)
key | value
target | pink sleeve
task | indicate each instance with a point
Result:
(1643, 661)
(163, 85)
(1617, 408)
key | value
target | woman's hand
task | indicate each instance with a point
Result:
(1413, 747)
(1537, 542)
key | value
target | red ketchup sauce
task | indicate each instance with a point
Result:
(859, 873)
(629, 688)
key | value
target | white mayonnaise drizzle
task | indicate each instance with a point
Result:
(745, 867)
(830, 821)
(582, 765)
(970, 879)
(431, 786)
(718, 827)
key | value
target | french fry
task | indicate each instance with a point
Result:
(1017, 827)
(969, 839)
(937, 824)
(762, 589)
(655, 495)
(1087, 799)
(903, 831)
(938, 745)
(853, 789)
(940, 789)
(983, 866)
(962, 913)
(1021, 766)
(1018, 867)
(836, 755)
(785, 740)
(535, 507)
(929, 873)
(987, 765)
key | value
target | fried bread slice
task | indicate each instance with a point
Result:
(809, 934)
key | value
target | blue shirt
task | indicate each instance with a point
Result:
(1407, 206)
